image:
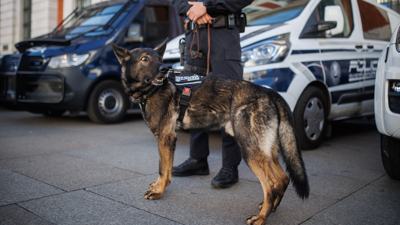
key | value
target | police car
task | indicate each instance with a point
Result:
(320, 55)
(387, 105)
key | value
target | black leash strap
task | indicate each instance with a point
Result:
(184, 102)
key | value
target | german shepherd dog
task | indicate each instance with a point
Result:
(259, 118)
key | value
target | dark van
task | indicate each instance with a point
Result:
(74, 68)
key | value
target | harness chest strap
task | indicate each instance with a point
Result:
(184, 102)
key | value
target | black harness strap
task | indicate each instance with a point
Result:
(184, 102)
(142, 100)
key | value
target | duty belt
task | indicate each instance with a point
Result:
(228, 21)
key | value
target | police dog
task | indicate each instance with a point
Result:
(259, 119)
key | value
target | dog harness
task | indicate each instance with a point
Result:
(187, 84)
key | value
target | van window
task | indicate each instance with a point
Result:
(157, 19)
(339, 11)
(273, 12)
(375, 22)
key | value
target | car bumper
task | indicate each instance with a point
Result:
(64, 88)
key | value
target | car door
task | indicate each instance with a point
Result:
(342, 57)
(376, 32)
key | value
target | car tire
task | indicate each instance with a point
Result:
(390, 149)
(107, 103)
(310, 118)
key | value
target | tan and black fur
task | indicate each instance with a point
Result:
(259, 119)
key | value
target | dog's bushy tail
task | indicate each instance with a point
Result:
(290, 150)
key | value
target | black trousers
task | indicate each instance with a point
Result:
(225, 53)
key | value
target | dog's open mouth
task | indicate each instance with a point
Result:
(158, 81)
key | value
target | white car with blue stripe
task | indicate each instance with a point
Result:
(320, 55)
(387, 105)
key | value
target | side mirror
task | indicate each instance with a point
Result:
(325, 25)
(134, 33)
(333, 13)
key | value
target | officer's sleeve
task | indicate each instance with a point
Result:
(181, 6)
(226, 6)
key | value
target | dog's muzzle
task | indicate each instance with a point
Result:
(160, 76)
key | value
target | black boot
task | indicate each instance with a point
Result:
(226, 177)
(191, 167)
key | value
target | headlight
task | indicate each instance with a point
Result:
(271, 50)
(67, 60)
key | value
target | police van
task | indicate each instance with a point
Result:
(320, 55)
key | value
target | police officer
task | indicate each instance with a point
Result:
(223, 16)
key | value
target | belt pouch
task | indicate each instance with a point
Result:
(242, 22)
(219, 21)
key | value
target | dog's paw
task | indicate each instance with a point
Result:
(152, 185)
(151, 195)
(256, 220)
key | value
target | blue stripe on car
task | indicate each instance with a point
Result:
(278, 79)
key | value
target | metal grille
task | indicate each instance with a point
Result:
(35, 63)
(9, 63)
(394, 102)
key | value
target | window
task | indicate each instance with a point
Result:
(157, 27)
(83, 3)
(339, 11)
(26, 19)
(375, 22)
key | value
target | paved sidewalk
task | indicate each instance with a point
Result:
(72, 171)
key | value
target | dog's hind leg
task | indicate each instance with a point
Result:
(282, 179)
(262, 168)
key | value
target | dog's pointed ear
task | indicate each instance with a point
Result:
(121, 53)
(161, 48)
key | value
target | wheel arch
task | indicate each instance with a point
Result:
(114, 77)
(323, 88)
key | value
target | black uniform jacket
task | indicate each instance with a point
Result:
(214, 7)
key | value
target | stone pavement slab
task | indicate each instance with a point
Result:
(142, 158)
(83, 207)
(15, 215)
(15, 187)
(192, 200)
(370, 205)
(66, 172)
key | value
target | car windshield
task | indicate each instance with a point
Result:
(89, 19)
(267, 12)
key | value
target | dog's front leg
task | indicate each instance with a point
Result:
(166, 149)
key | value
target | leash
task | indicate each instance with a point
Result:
(196, 30)
(187, 90)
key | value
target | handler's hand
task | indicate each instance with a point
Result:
(205, 19)
(196, 11)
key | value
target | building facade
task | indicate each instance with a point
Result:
(22, 19)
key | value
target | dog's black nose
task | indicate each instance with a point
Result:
(163, 69)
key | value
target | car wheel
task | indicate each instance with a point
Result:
(310, 118)
(390, 149)
(107, 103)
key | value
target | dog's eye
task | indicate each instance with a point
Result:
(145, 58)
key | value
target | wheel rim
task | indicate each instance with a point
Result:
(314, 117)
(110, 103)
